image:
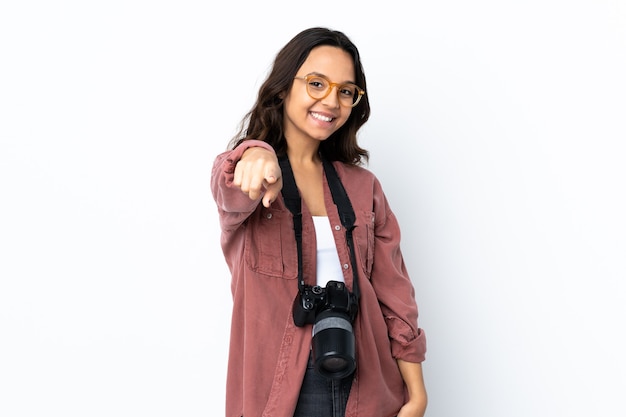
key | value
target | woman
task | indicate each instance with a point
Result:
(297, 141)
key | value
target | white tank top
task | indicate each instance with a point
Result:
(328, 264)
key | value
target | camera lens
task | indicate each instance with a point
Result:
(334, 364)
(333, 345)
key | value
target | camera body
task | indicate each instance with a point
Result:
(331, 310)
(314, 300)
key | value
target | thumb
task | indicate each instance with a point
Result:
(271, 191)
(272, 174)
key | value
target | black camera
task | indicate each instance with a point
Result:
(331, 310)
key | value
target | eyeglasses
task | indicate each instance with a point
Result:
(319, 87)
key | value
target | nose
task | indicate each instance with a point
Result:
(332, 99)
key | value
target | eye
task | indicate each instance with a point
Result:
(347, 91)
(318, 83)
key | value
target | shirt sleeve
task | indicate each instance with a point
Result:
(233, 205)
(393, 286)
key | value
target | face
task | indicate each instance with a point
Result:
(307, 119)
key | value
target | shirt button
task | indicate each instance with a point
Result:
(268, 215)
(346, 266)
(337, 227)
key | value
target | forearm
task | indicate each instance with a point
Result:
(414, 380)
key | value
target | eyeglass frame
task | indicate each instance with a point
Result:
(360, 91)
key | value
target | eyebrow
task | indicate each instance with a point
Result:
(328, 78)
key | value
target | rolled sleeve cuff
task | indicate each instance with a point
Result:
(405, 344)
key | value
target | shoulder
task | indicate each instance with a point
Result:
(354, 172)
(361, 184)
(359, 177)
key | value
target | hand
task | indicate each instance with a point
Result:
(413, 409)
(258, 171)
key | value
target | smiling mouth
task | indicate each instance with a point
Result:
(322, 117)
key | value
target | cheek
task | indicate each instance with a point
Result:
(345, 115)
(297, 104)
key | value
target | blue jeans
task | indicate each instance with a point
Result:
(322, 397)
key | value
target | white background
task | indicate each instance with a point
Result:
(497, 131)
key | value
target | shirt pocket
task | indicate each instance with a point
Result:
(364, 240)
(270, 244)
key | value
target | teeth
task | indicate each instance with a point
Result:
(323, 118)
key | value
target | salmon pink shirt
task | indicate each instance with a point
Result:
(268, 353)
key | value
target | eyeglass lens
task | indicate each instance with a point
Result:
(318, 88)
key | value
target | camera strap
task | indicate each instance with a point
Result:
(293, 201)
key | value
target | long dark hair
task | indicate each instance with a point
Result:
(265, 120)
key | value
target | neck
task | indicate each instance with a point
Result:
(303, 154)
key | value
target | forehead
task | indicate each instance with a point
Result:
(333, 62)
